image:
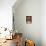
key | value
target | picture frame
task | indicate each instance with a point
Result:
(29, 19)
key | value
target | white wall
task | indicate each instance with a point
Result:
(6, 13)
(29, 8)
(43, 22)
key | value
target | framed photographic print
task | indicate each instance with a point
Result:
(29, 19)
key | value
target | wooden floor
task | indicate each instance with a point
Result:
(9, 43)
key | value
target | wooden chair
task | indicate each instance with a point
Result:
(18, 39)
(29, 43)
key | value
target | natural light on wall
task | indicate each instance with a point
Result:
(6, 13)
(6, 18)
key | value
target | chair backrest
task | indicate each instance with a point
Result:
(29, 43)
(18, 37)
